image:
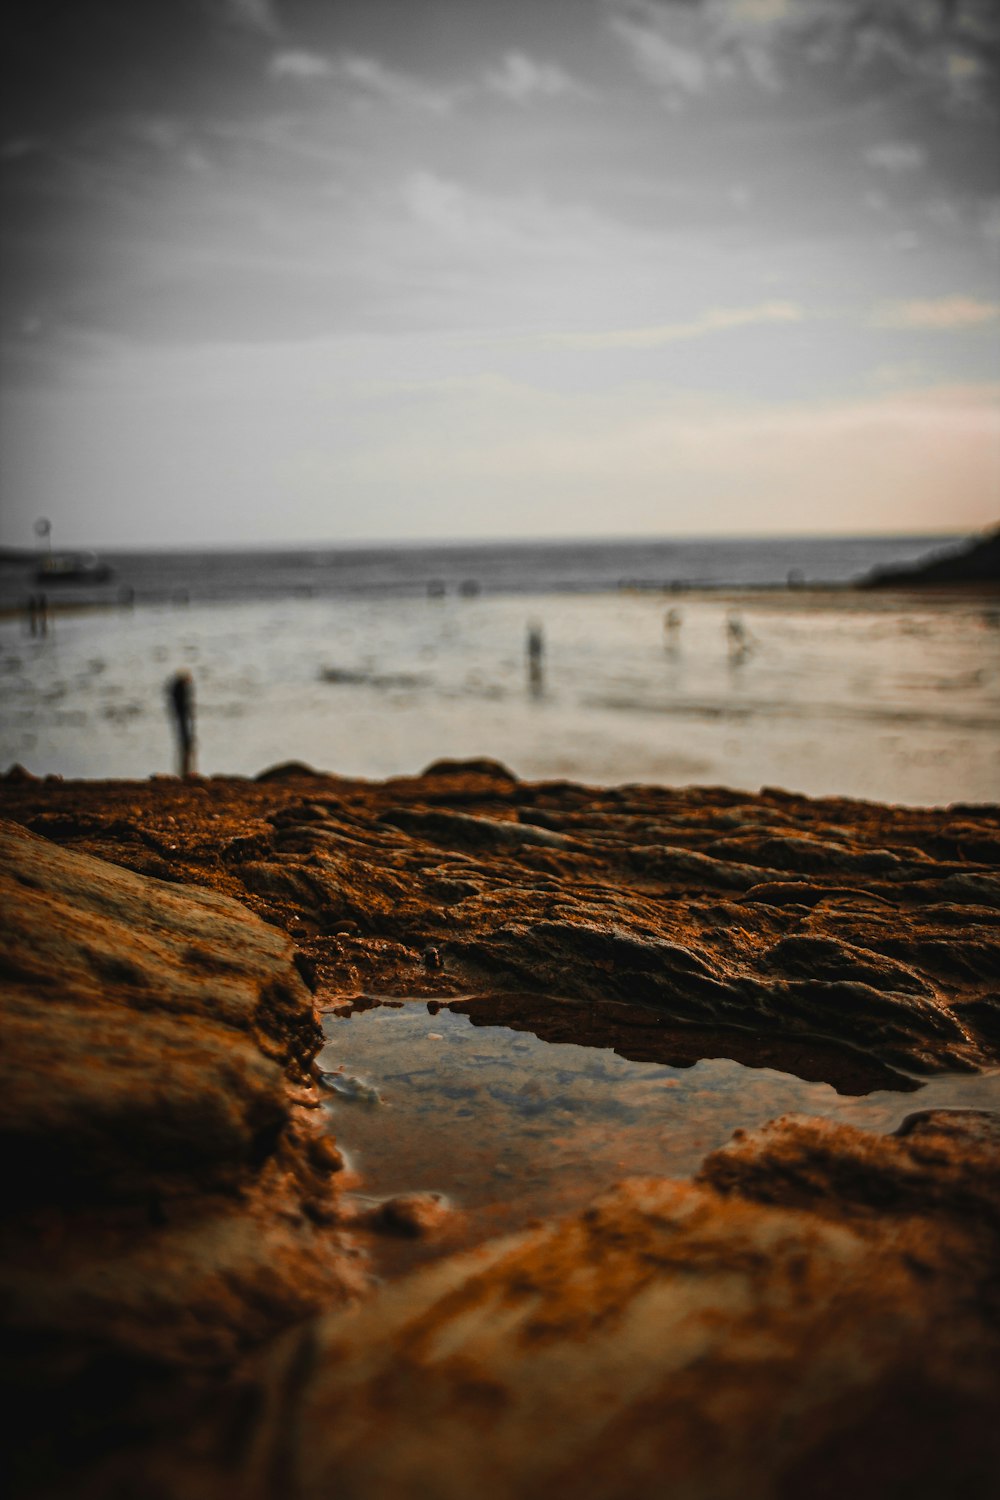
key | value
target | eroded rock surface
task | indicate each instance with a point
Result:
(817, 1313)
(847, 940)
(169, 1192)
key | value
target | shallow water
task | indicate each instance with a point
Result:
(857, 695)
(511, 1128)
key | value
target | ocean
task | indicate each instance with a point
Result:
(671, 662)
(220, 576)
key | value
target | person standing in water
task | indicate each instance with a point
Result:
(739, 640)
(535, 651)
(180, 698)
(672, 631)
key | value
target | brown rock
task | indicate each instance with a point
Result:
(673, 1340)
(818, 1313)
(412, 1215)
(856, 941)
(166, 1172)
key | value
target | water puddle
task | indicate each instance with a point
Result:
(511, 1128)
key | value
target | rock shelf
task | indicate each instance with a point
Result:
(818, 1308)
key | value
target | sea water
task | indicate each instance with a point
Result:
(508, 1127)
(519, 567)
(824, 691)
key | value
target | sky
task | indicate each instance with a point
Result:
(284, 271)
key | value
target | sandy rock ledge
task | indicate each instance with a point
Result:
(679, 1340)
(170, 1195)
(816, 1313)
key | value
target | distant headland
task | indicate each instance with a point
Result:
(977, 562)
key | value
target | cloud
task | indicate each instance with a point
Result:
(657, 56)
(138, 140)
(950, 49)
(439, 204)
(527, 224)
(685, 50)
(522, 79)
(296, 63)
(716, 320)
(367, 76)
(947, 48)
(519, 260)
(250, 15)
(947, 314)
(755, 12)
(896, 156)
(518, 78)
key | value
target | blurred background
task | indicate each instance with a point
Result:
(324, 277)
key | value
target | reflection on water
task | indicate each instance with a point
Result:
(510, 1127)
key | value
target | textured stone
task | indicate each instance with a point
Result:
(864, 935)
(818, 1313)
(169, 1191)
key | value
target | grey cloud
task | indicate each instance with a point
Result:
(367, 76)
(295, 62)
(519, 78)
(522, 79)
(258, 16)
(896, 156)
(474, 222)
(950, 49)
(666, 63)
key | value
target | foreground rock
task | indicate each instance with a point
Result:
(819, 1311)
(818, 1315)
(169, 1195)
(672, 1340)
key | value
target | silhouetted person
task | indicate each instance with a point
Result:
(38, 614)
(535, 649)
(672, 630)
(180, 697)
(738, 639)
